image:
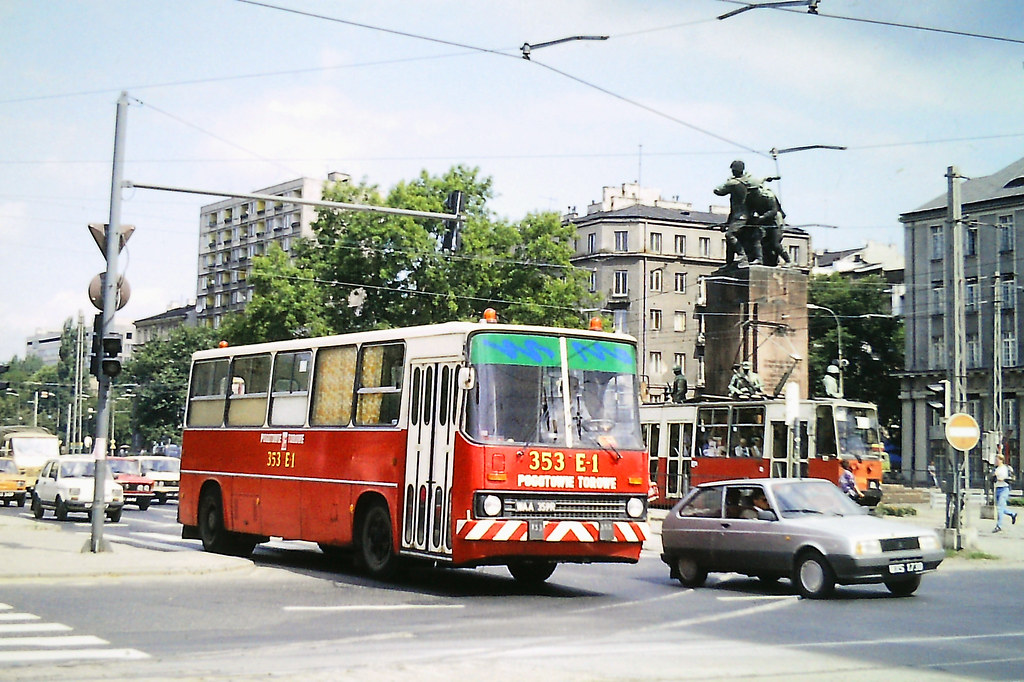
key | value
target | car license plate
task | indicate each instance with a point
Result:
(908, 567)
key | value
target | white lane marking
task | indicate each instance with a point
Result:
(914, 640)
(33, 627)
(65, 640)
(739, 613)
(757, 597)
(4, 607)
(17, 616)
(371, 607)
(36, 656)
(638, 602)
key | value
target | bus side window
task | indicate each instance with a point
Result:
(250, 381)
(333, 384)
(206, 395)
(379, 396)
(290, 386)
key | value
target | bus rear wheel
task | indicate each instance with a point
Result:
(375, 547)
(531, 572)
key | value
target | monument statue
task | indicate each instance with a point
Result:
(766, 211)
(750, 212)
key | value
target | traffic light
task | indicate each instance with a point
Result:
(453, 204)
(111, 363)
(940, 397)
(4, 385)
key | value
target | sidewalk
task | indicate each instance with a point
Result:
(33, 550)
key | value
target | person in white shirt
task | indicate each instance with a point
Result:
(1001, 479)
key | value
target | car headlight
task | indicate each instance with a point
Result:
(491, 505)
(929, 541)
(867, 547)
(635, 507)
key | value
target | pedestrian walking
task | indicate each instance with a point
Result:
(1001, 480)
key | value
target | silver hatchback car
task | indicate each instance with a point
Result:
(803, 529)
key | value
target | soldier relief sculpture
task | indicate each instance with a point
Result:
(753, 229)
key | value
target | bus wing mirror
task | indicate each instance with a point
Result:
(467, 378)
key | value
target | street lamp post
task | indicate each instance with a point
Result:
(839, 342)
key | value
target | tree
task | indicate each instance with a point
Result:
(160, 370)
(872, 339)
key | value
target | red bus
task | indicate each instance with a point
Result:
(464, 444)
(696, 442)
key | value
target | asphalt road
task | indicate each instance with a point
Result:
(294, 613)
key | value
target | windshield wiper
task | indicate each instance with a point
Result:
(801, 511)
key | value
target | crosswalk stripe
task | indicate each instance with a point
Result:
(58, 641)
(32, 627)
(17, 616)
(37, 656)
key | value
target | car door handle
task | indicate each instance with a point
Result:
(726, 525)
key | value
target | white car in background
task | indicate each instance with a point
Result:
(165, 472)
(65, 485)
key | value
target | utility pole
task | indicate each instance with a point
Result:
(958, 381)
(110, 288)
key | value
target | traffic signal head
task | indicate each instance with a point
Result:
(111, 363)
(939, 399)
(453, 204)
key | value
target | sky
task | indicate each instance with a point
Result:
(233, 95)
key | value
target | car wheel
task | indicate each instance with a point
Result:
(143, 505)
(114, 515)
(689, 572)
(61, 510)
(160, 499)
(375, 549)
(37, 508)
(904, 587)
(531, 572)
(21, 500)
(813, 576)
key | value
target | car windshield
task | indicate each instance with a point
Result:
(8, 467)
(125, 466)
(813, 497)
(160, 465)
(81, 469)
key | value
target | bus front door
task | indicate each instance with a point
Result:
(426, 517)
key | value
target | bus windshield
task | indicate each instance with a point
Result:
(549, 390)
(857, 428)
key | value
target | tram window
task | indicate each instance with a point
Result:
(290, 385)
(333, 381)
(208, 393)
(250, 379)
(653, 447)
(379, 396)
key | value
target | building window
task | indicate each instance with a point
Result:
(1009, 414)
(1008, 293)
(621, 283)
(655, 242)
(679, 360)
(971, 295)
(593, 281)
(655, 318)
(620, 321)
(680, 244)
(938, 303)
(657, 279)
(679, 321)
(621, 240)
(971, 241)
(973, 351)
(592, 242)
(704, 244)
(938, 352)
(938, 241)
(1006, 235)
(680, 282)
(655, 364)
(794, 254)
(1009, 349)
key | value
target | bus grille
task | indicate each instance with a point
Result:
(898, 544)
(563, 507)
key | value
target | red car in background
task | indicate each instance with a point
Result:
(137, 488)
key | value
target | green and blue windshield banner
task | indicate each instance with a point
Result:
(532, 350)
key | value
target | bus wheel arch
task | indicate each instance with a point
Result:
(212, 528)
(374, 537)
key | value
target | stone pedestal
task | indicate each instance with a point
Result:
(759, 314)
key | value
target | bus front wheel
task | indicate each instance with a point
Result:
(215, 536)
(375, 549)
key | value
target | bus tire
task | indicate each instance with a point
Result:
(689, 572)
(216, 538)
(531, 572)
(813, 576)
(375, 547)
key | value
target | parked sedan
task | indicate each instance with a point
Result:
(803, 529)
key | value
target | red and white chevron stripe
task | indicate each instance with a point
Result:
(494, 530)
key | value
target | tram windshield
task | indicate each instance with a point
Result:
(848, 431)
(562, 391)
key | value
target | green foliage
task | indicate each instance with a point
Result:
(1016, 502)
(895, 510)
(16, 402)
(872, 340)
(160, 369)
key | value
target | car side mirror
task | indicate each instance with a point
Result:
(766, 515)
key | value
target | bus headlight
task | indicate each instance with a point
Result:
(491, 505)
(635, 507)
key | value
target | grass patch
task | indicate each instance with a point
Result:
(970, 554)
(895, 510)
(1015, 502)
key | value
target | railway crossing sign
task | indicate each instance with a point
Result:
(962, 431)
